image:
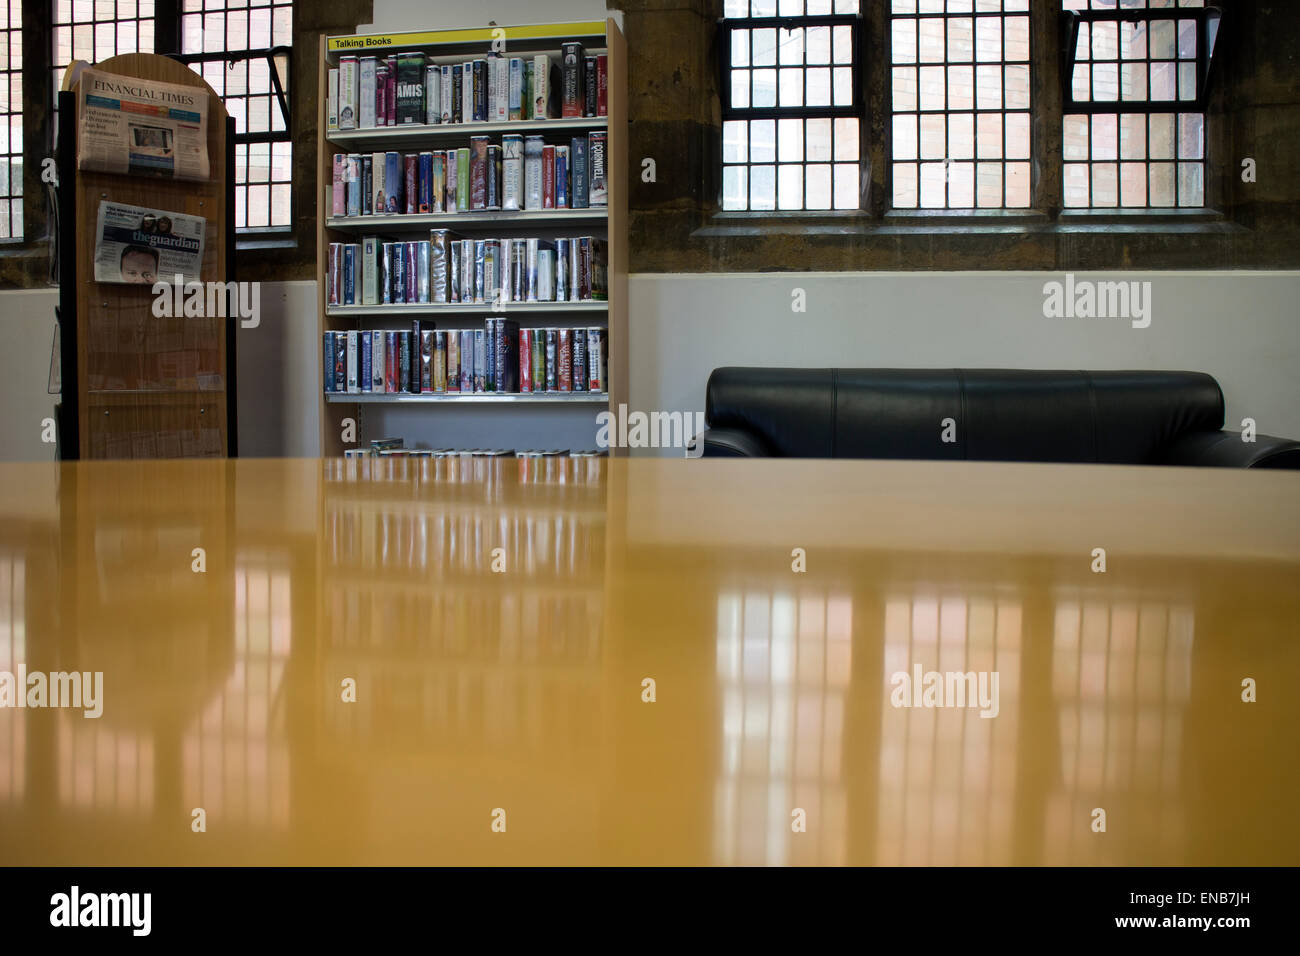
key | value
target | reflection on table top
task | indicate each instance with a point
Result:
(850, 662)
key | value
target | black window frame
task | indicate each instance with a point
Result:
(1205, 16)
(856, 109)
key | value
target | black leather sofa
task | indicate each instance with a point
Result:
(1135, 418)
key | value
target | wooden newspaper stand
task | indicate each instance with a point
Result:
(136, 385)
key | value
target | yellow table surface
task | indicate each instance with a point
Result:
(501, 621)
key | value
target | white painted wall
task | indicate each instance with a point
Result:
(1242, 328)
(26, 339)
(278, 407)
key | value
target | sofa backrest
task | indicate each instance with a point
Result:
(997, 414)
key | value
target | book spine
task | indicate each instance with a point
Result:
(478, 172)
(403, 361)
(349, 272)
(584, 268)
(454, 270)
(552, 355)
(480, 91)
(439, 266)
(479, 277)
(532, 246)
(426, 183)
(367, 184)
(447, 100)
(394, 173)
(467, 92)
(411, 182)
(354, 184)
(561, 177)
(385, 278)
(541, 93)
(497, 358)
(399, 267)
(575, 269)
(493, 176)
(332, 100)
(389, 352)
(328, 348)
(381, 93)
(427, 350)
(539, 360)
(515, 100)
(578, 160)
(596, 360)
(596, 179)
(462, 179)
(518, 267)
(412, 272)
(533, 153)
(377, 163)
(602, 85)
(564, 360)
(377, 357)
(338, 199)
(366, 93)
(480, 360)
(525, 359)
(347, 92)
(390, 92)
(467, 361)
(422, 266)
(333, 273)
(512, 172)
(500, 99)
(492, 272)
(599, 270)
(589, 87)
(365, 363)
(545, 273)
(573, 97)
(453, 178)
(432, 94)
(439, 376)
(369, 270)
(453, 361)
(410, 89)
(508, 380)
(579, 363)
(352, 359)
(548, 177)
(340, 361)
(439, 188)
(527, 93)
(562, 269)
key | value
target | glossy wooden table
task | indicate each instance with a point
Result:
(518, 696)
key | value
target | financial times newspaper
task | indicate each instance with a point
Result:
(143, 127)
(143, 246)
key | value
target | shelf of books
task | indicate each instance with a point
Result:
(472, 237)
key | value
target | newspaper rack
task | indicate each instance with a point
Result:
(137, 384)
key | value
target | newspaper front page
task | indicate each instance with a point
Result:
(142, 246)
(141, 127)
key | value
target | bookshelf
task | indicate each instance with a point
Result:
(493, 419)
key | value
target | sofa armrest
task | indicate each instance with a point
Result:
(1223, 449)
(732, 443)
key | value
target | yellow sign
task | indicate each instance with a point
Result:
(540, 31)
